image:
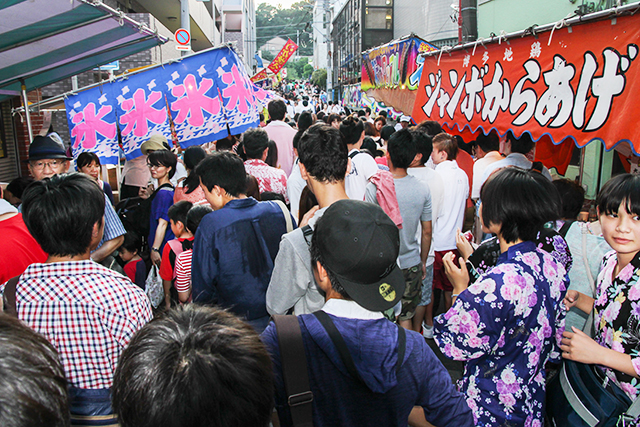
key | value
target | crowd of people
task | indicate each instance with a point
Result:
(378, 236)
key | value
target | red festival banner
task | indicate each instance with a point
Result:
(283, 56)
(262, 75)
(580, 82)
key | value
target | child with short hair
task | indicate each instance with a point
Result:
(129, 252)
(183, 241)
(183, 261)
(616, 316)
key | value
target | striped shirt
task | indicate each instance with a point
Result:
(88, 312)
(183, 271)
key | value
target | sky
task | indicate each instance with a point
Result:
(285, 3)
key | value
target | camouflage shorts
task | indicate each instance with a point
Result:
(412, 294)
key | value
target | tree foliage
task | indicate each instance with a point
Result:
(274, 21)
(319, 77)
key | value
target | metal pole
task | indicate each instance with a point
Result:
(27, 113)
(298, 43)
(185, 20)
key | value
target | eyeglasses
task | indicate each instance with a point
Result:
(155, 166)
(40, 164)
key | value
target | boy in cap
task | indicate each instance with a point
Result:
(390, 370)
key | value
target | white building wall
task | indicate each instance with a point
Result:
(428, 19)
(320, 42)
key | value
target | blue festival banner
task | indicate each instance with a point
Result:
(236, 90)
(194, 101)
(92, 123)
(142, 109)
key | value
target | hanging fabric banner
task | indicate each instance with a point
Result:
(580, 82)
(194, 101)
(391, 72)
(141, 109)
(261, 75)
(236, 91)
(283, 56)
(92, 123)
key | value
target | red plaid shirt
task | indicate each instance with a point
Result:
(88, 312)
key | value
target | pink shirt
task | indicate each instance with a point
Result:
(269, 178)
(282, 134)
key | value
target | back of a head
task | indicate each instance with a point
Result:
(386, 132)
(402, 149)
(620, 190)
(195, 215)
(60, 212)
(430, 127)
(277, 109)
(323, 154)
(193, 155)
(447, 143)
(506, 200)
(18, 185)
(370, 129)
(369, 145)
(351, 130)
(423, 144)
(361, 113)
(195, 366)
(255, 141)
(304, 121)
(178, 211)
(225, 170)
(33, 388)
(225, 144)
(384, 114)
(489, 142)
(572, 197)
(522, 145)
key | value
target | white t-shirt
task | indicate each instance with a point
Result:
(434, 181)
(363, 167)
(452, 209)
(478, 171)
(295, 185)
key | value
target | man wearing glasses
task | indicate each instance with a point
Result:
(48, 158)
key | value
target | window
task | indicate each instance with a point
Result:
(378, 2)
(378, 18)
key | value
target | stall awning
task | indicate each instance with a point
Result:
(44, 41)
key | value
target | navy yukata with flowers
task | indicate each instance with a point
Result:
(506, 326)
(617, 317)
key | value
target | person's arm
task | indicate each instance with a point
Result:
(157, 241)
(107, 248)
(579, 300)
(370, 194)
(425, 245)
(166, 284)
(113, 236)
(290, 279)
(183, 276)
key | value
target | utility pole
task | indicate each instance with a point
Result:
(185, 20)
(298, 43)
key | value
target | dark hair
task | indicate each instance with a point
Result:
(571, 196)
(386, 132)
(277, 109)
(351, 130)
(369, 145)
(132, 242)
(270, 195)
(296, 139)
(430, 127)
(307, 201)
(18, 185)
(506, 200)
(488, 143)
(380, 119)
(178, 211)
(272, 154)
(323, 154)
(253, 189)
(316, 256)
(333, 117)
(86, 158)
(304, 121)
(320, 115)
(361, 113)
(423, 144)
(522, 145)
(195, 215)
(384, 114)
(447, 143)
(33, 387)
(402, 149)
(370, 129)
(60, 213)
(163, 158)
(367, 110)
(467, 148)
(194, 366)
(192, 156)
(620, 190)
(255, 141)
(226, 144)
(225, 170)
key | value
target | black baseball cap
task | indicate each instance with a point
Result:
(359, 244)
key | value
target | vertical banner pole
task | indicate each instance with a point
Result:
(27, 113)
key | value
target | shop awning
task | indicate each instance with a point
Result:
(44, 41)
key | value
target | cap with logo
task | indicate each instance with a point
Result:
(359, 243)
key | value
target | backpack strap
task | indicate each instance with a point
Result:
(9, 296)
(565, 227)
(355, 153)
(307, 232)
(294, 370)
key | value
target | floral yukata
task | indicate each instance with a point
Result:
(506, 326)
(617, 316)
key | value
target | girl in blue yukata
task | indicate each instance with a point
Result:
(509, 322)
(616, 308)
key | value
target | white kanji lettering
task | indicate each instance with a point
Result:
(527, 97)
(443, 101)
(457, 93)
(496, 96)
(604, 88)
(432, 92)
(472, 102)
(536, 50)
(508, 54)
(557, 100)
(580, 105)
(485, 57)
(465, 61)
